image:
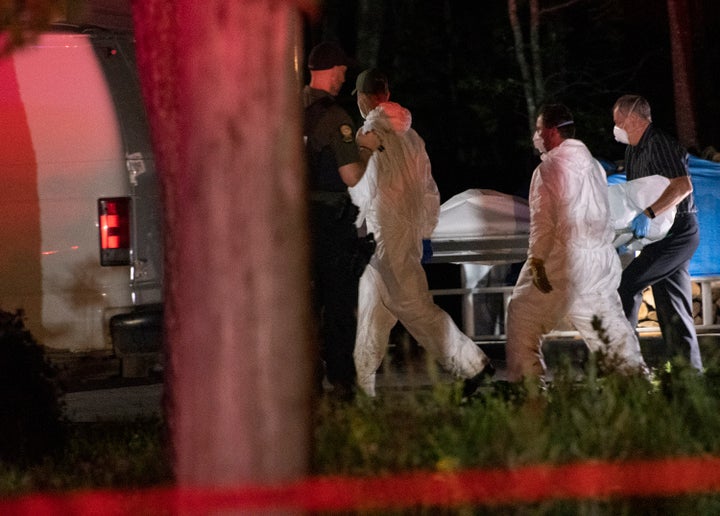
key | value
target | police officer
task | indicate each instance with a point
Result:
(334, 163)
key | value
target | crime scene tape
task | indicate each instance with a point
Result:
(491, 487)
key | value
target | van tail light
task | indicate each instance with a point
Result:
(114, 222)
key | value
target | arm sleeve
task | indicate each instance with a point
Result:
(431, 202)
(342, 138)
(544, 207)
(669, 158)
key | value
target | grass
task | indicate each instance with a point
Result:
(600, 418)
(610, 418)
(95, 455)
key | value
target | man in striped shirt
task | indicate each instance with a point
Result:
(662, 264)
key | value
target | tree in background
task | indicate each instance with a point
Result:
(220, 84)
(680, 21)
(529, 58)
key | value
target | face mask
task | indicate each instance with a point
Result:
(538, 142)
(621, 135)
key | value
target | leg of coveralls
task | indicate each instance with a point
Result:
(616, 338)
(531, 314)
(434, 330)
(410, 300)
(375, 322)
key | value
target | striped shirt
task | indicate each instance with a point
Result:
(658, 153)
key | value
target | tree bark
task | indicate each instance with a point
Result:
(681, 49)
(223, 101)
(536, 55)
(370, 29)
(527, 79)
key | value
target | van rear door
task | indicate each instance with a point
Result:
(73, 133)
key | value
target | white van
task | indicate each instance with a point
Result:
(80, 241)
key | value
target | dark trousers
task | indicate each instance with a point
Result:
(664, 266)
(335, 284)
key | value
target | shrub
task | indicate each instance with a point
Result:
(30, 399)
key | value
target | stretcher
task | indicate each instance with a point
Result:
(484, 231)
(482, 226)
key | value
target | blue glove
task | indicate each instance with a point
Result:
(427, 251)
(623, 249)
(640, 225)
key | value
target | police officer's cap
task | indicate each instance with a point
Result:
(326, 55)
(371, 81)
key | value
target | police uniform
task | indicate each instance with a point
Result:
(330, 144)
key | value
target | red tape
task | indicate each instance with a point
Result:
(599, 480)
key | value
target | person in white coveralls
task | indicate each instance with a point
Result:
(572, 268)
(399, 202)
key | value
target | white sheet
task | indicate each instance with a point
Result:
(629, 199)
(478, 213)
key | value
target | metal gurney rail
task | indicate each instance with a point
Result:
(509, 249)
(486, 250)
(489, 250)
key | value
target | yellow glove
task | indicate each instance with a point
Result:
(540, 280)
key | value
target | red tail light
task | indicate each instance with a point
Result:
(114, 220)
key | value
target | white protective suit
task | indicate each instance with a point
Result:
(399, 201)
(571, 231)
(630, 198)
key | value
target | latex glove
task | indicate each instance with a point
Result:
(427, 251)
(640, 225)
(540, 280)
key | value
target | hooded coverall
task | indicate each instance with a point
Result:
(570, 230)
(400, 203)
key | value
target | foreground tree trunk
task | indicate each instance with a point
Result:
(223, 100)
(681, 49)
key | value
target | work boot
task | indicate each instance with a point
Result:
(471, 385)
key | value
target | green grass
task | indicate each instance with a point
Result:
(608, 418)
(96, 455)
(612, 418)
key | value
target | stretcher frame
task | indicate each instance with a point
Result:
(509, 249)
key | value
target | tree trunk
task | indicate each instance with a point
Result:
(681, 49)
(527, 79)
(223, 102)
(536, 55)
(371, 18)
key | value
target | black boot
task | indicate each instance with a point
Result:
(471, 385)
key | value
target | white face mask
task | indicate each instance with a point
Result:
(621, 135)
(538, 143)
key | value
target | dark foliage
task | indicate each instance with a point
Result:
(453, 64)
(30, 399)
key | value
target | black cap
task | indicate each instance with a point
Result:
(371, 81)
(326, 55)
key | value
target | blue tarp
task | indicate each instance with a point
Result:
(705, 177)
